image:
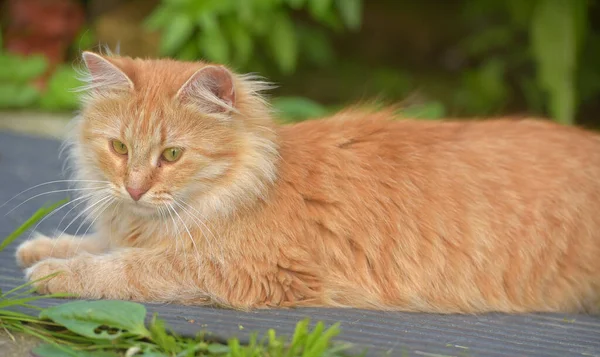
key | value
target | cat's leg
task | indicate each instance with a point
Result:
(65, 246)
(152, 275)
(126, 274)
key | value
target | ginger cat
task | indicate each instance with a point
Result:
(199, 198)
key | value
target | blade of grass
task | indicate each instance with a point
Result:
(20, 287)
(13, 302)
(38, 215)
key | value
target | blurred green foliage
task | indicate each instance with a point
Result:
(17, 90)
(251, 32)
(535, 56)
(16, 74)
(556, 33)
(243, 32)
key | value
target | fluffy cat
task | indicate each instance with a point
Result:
(198, 197)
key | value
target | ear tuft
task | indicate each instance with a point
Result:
(211, 88)
(104, 75)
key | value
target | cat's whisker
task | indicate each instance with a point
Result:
(103, 208)
(200, 218)
(162, 214)
(177, 232)
(50, 183)
(198, 256)
(112, 221)
(56, 210)
(51, 192)
(197, 221)
(91, 214)
(100, 200)
(77, 205)
(74, 219)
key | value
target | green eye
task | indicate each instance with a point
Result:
(172, 154)
(119, 147)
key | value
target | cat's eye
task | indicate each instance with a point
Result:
(172, 154)
(119, 147)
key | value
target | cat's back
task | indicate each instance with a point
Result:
(488, 207)
(378, 143)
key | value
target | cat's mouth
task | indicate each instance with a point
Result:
(143, 209)
(156, 208)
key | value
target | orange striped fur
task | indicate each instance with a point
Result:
(355, 210)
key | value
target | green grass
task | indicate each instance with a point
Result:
(109, 328)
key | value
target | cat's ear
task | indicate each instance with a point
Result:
(211, 88)
(104, 75)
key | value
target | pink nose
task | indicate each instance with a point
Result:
(136, 193)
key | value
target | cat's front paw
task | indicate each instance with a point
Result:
(34, 250)
(65, 281)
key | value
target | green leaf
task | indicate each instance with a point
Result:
(241, 41)
(158, 19)
(319, 8)
(296, 4)
(351, 12)
(48, 350)
(38, 215)
(153, 354)
(104, 319)
(15, 95)
(213, 44)
(60, 94)
(520, 11)
(85, 39)
(177, 32)
(21, 69)
(4, 303)
(299, 337)
(315, 45)
(284, 43)
(322, 339)
(555, 35)
(484, 89)
(4, 296)
(491, 38)
(158, 334)
(189, 52)
(217, 348)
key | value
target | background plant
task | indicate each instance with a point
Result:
(552, 36)
(256, 32)
(464, 58)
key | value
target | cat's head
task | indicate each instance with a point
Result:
(164, 135)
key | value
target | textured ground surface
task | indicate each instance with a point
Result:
(27, 161)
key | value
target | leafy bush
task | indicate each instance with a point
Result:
(239, 32)
(558, 44)
(537, 56)
(16, 74)
(17, 89)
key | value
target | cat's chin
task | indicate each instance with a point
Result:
(142, 209)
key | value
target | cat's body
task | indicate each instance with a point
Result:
(357, 210)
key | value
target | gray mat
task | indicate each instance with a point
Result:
(27, 161)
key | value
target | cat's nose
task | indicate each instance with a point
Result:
(136, 193)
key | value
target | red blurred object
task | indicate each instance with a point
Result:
(44, 27)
